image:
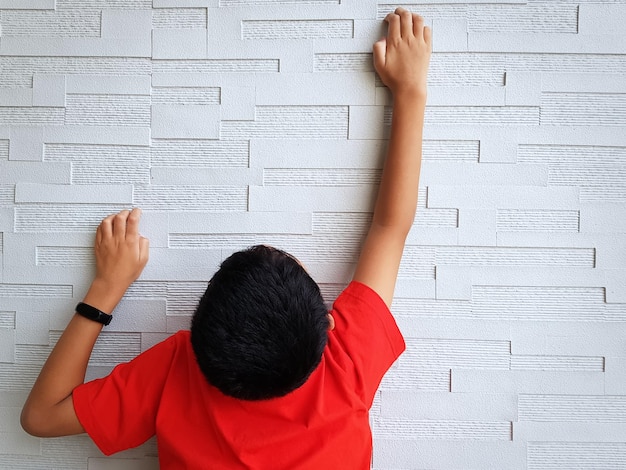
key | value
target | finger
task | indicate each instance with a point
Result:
(144, 250)
(406, 22)
(393, 31)
(380, 50)
(119, 224)
(132, 224)
(106, 227)
(418, 25)
(99, 235)
(428, 36)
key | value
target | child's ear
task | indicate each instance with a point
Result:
(331, 322)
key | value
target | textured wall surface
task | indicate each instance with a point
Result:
(234, 122)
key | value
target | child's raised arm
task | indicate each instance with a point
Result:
(401, 60)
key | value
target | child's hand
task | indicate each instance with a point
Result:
(401, 59)
(121, 253)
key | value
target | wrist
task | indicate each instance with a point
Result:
(103, 295)
(413, 95)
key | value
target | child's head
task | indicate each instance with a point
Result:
(261, 326)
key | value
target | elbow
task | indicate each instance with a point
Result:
(31, 421)
(34, 422)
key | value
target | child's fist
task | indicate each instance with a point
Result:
(401, 59)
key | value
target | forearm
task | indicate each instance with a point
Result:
(65, 368)
(397, 197)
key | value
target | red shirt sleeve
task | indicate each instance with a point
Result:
(119, 411)
(368, 334)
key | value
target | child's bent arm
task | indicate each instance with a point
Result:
(121, 254)
(402, 62)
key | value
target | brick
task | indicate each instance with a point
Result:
(180, 121)
(615, 375)
(317, 89)
(32, 327)
(274, 122)
(19, 443)
(297, 29)
(188, 197)
(477, 227)
(575, 83)
(179, 43)
(454, 282)
(450, 35)
(512, 220)
(366, 122)
(238, 103)
(603, 218)
(26, 143)
(103, 84)
(34, 172)
(443, 454)
(465, 96)
(601, 19)
(181, 264)
(28, 4)
(16, 97)
(446, 353)
(498, 381)
(572, 408)
(141, 316)
(240, 222)
(70, 47)
(316, 153)
(523, 88)
(514, 197)
(270, 199)
(546, 43)
(7, 345)
(498, 149)
(439, 319)
(403, 428)
(568, 337)
(108, 110)
(62, 217)
(92, 164)
(569, 432)
(135, 25)
(184, 3)
(176, 18)
(99, 135)
(186, 95)
(76, 194)
(48, 90)
(40, 116)
(449, 406)
(452, 173)
(548, 455)
(583, 109)
(421, 288)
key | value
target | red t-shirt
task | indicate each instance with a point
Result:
(322, 425)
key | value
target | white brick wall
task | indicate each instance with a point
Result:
(234, 122)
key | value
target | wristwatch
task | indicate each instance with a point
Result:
(93, 313)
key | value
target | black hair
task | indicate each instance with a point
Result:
(261, 326)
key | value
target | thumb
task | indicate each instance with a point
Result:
(144, 250)
(380, 52)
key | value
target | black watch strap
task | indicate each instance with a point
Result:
(93, 313)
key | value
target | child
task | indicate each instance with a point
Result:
(267, 378)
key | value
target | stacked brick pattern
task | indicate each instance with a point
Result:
(235, 122)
